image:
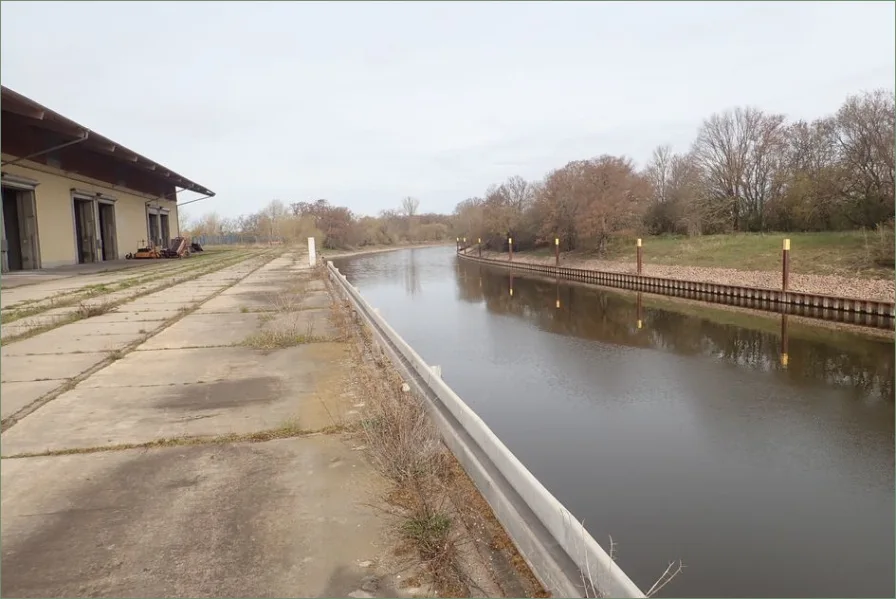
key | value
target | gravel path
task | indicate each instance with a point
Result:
(868, 289)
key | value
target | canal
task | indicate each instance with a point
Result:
(671, 426)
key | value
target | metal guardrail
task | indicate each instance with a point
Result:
(561, 553)
(870, 313)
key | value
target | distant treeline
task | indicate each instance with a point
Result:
(747, 170)
(334, 227)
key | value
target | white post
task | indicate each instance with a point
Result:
(312, 258)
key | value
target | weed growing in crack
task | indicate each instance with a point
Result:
(91, 310)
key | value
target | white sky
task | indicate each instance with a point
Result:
(364, 103)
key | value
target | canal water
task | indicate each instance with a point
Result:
(676, 428)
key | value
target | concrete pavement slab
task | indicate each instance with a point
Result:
(138, 403)
(16, 396)
(205, 330)
(119, 316)
(65, 341)
(90, 327)
(230, 304)
(205, 365)
(47, 367)
(285, 518)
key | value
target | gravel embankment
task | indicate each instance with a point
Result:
(867, 289)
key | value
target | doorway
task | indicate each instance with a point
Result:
(166, 232)
(154, 230)
(108, 234)
(21, 248)
(85, 230)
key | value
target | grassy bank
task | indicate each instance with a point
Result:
(850, 253)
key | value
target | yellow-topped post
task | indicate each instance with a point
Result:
(785, 265)
(557, 252)
(510, 246)
(479, 243)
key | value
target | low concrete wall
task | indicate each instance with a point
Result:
(561, 553)
(879, 314)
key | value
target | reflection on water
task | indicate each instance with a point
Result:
(803, 354)
(759, 450)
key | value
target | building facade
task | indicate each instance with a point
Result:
(73, 196)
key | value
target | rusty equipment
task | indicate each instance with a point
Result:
(179, 247)
(144, 253)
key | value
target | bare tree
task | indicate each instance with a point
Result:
(409, 206)
(740, 152)
(519, 193)
(864, 130)
(658, 172)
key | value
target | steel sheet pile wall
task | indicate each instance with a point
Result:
(558, 549)
(842, 309)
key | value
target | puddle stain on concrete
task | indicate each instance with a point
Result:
(223, 394)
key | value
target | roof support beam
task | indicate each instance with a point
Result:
(83, 137)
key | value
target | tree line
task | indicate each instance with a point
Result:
(747, 170)
(333, 227)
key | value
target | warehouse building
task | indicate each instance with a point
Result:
(73, 196)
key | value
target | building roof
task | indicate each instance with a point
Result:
(42, 117)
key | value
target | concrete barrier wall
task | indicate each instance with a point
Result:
(865, 312)
(561, 553)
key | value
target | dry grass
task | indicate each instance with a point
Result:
(90, 310)
(404, 445)
(278, 339)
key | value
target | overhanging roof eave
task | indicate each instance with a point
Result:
(16, 103)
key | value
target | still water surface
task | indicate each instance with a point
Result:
(683, 439)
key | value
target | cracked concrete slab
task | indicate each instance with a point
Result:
(47, 367)
(241, 520)
(136, 316)
(64, 341)
(91, 327)
(205, 330)
(17, 395)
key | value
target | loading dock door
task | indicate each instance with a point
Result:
(85, 230)
(108, 234)
(20, 241)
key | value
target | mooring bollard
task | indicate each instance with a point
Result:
(557, 252)
(457, 245)
(639, 256)
(785, 265)
(465, 245)
(510, 246)
(479, 243)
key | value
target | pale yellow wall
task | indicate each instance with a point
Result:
(56, 221)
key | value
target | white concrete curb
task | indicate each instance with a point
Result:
(561, 553)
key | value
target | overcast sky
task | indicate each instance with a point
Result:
(364, 103)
